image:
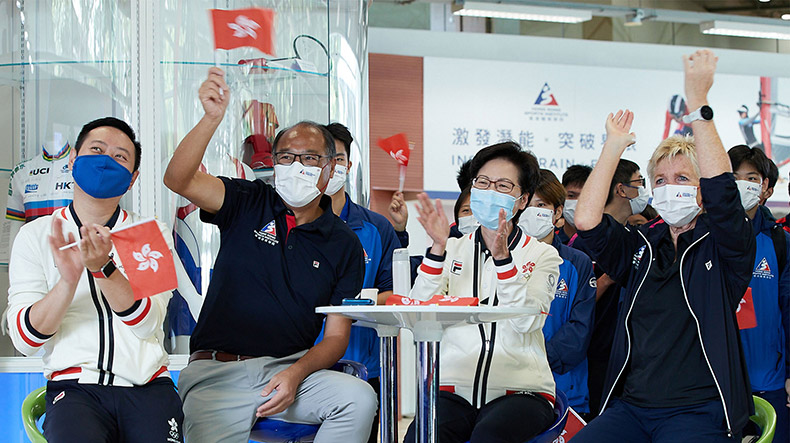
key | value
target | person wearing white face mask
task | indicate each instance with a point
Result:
(569, 325)
(378, 241)
(573, 180)
(496, 382)
(283, 254)
(677, 370)
(764, 339)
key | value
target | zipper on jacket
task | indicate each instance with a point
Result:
(699, 334)
(628, 315)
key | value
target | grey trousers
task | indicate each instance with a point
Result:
(220, 400)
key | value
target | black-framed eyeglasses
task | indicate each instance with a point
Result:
(639, 182)
(502, 185)
(286, 158)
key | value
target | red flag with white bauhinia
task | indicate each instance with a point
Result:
(146, 258)
(252, 27)
(398, 147)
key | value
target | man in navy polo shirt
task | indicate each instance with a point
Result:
(378, 240)
(282, 254)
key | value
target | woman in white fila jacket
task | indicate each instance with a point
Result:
(495, 380)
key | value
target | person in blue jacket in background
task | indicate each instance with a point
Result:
(569, 324)
(764, 336)
(378, 241)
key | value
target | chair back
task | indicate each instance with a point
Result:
(33, 407)
(764, 417)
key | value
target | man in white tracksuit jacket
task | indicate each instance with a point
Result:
(102, 349)
(495, 380)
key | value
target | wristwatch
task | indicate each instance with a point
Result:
(106, 270)
(703, 113)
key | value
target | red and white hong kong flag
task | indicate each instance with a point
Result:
(253, 27)
(146, 258)
(397, 147)
(745, 312)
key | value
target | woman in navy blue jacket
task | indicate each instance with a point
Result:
(676, 371)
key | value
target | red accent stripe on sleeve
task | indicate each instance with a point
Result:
(142, 315)
(157, 374)
(22, 333)
(430, 270)
(507, 274)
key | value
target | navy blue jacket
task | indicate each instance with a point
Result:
(569, 325)
(765, 346)
(715, 271)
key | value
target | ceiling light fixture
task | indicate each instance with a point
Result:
(737, 29)
(522, 12)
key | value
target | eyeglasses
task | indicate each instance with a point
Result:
(640, 182)
(502, 185)
(286, 158)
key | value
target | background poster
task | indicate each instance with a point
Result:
(558, 112)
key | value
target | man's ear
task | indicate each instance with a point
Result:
(619, 190)
(72, 157)
(135, 174)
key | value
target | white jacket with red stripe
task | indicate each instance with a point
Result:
(94, 344)
(484, 362)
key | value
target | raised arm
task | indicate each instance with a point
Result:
(183, 175)
(592, 200)
(699, 68)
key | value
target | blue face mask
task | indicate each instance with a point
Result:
(100, 176)
(486, 203)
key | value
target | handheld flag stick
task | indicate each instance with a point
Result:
(122, 228)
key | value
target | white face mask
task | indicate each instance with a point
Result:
(537, 222)
(337, 181)
(468, 224)
(750, 193)
(296, 183)
(639, 203)
(676, 204)
(569, 210)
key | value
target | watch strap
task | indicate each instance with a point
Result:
(106, 270)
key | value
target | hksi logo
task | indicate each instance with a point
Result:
(267, 234)
(684, 195)
(545, 97)
(38, 171)
(62, 186)
(146, 258)
(763, 270)
(562, 289)
(637, 259)
(367, 257)
(244, 27)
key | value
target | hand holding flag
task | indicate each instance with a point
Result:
(399, 148)
(143, 252)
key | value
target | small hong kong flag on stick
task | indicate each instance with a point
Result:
(398, 147)
(146, 258)
(253, 27)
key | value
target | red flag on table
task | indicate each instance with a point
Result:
(441, 300)
(146, 258)
(253, 27)
(397, 147)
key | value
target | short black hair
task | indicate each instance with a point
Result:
(113, 123)
(773, 174)
(576, 175)
(341, 133)
(526, 163)
(464, 177)
(465, 194)
(329, 140)
(754, 156)
(622, 174)
(649, 213)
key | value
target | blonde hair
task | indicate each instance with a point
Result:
(671, 147)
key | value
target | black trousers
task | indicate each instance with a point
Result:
(95, 413)
(510, 419)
